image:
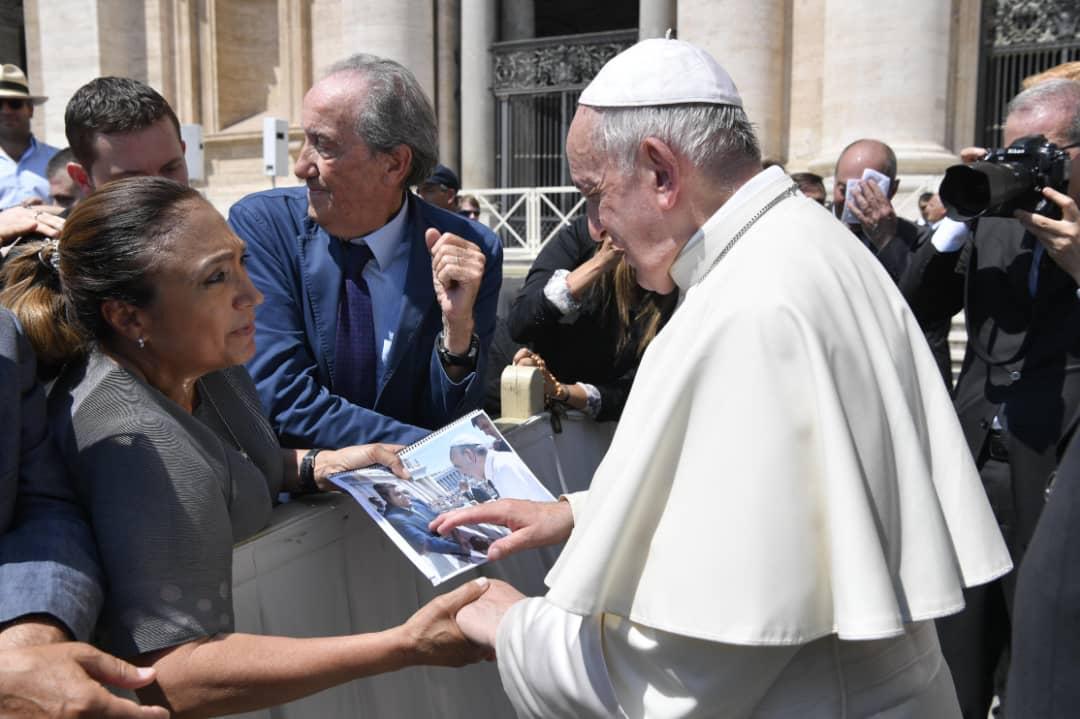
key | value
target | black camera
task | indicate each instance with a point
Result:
(1006, 180)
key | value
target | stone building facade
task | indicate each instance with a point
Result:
(815, 74)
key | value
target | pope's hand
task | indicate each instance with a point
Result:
(480, 620)
(531, 524)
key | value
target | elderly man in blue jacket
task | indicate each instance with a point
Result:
(50, 584)
(379, 307)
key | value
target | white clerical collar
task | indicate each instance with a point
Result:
(685, 270)
(384, 241)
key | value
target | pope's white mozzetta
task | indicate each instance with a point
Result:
(788, 472)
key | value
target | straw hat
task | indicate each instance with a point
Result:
(13, 84)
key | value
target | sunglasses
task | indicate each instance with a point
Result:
(471, 214)
(13, 103)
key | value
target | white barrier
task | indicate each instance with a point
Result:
(323, 568)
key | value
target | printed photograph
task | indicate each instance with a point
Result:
(467, 462)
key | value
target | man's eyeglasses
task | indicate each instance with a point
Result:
(13, 102)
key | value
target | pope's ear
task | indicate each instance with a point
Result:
(663, 167)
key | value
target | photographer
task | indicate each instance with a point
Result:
(1016, 280)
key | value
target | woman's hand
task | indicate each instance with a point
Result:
(531, 524)
(607, 255)
(329, 462)
(584, 275)
(433, 636)
(553, 388)
(480, 620)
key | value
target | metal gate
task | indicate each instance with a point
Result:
(536, 86)
(1020, 38)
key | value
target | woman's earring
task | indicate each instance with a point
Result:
(142, 343)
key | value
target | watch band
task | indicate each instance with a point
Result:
(307, 473)
(449, 359)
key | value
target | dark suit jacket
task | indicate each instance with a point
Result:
(48, 560)
(1023, 356)
(896, 257)
(297, 265)
(1046, 616)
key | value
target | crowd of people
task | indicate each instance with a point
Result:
(799, 512)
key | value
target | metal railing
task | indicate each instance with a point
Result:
(524, 218)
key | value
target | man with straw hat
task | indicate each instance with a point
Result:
(23, 178)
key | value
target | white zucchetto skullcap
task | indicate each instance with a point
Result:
(472, 439)
(661, 72)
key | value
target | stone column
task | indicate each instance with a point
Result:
(807, 59)
(749, 40)
(518, 20)
(11, 36)
(655, 18)
(478, 26)
(886, 76)
(73, 41)
(448, 42)
(403, 30)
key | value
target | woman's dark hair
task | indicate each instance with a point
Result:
(108, 250)
(31, 290)
(641, 313)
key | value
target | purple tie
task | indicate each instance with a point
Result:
(354, 378)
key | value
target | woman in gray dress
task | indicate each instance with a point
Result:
(161, 428)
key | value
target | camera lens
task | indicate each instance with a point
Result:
(969, 191)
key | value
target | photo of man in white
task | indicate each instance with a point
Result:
(473, 456)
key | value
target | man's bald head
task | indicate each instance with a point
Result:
(874, 154)
(856, 157)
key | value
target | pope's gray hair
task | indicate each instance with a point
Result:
(1059, 92)
(715, 138)
(395, 112)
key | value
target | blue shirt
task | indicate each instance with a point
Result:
(385, 277)
(25, 178)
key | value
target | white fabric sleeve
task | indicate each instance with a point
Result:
(557, 291)
(557, 664)
(593, 400)
(576, 500)
(552, 663)
(950, 235)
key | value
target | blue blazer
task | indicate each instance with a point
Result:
(297, 266)
(48, 559)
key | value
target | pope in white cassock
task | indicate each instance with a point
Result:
(788, 501)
